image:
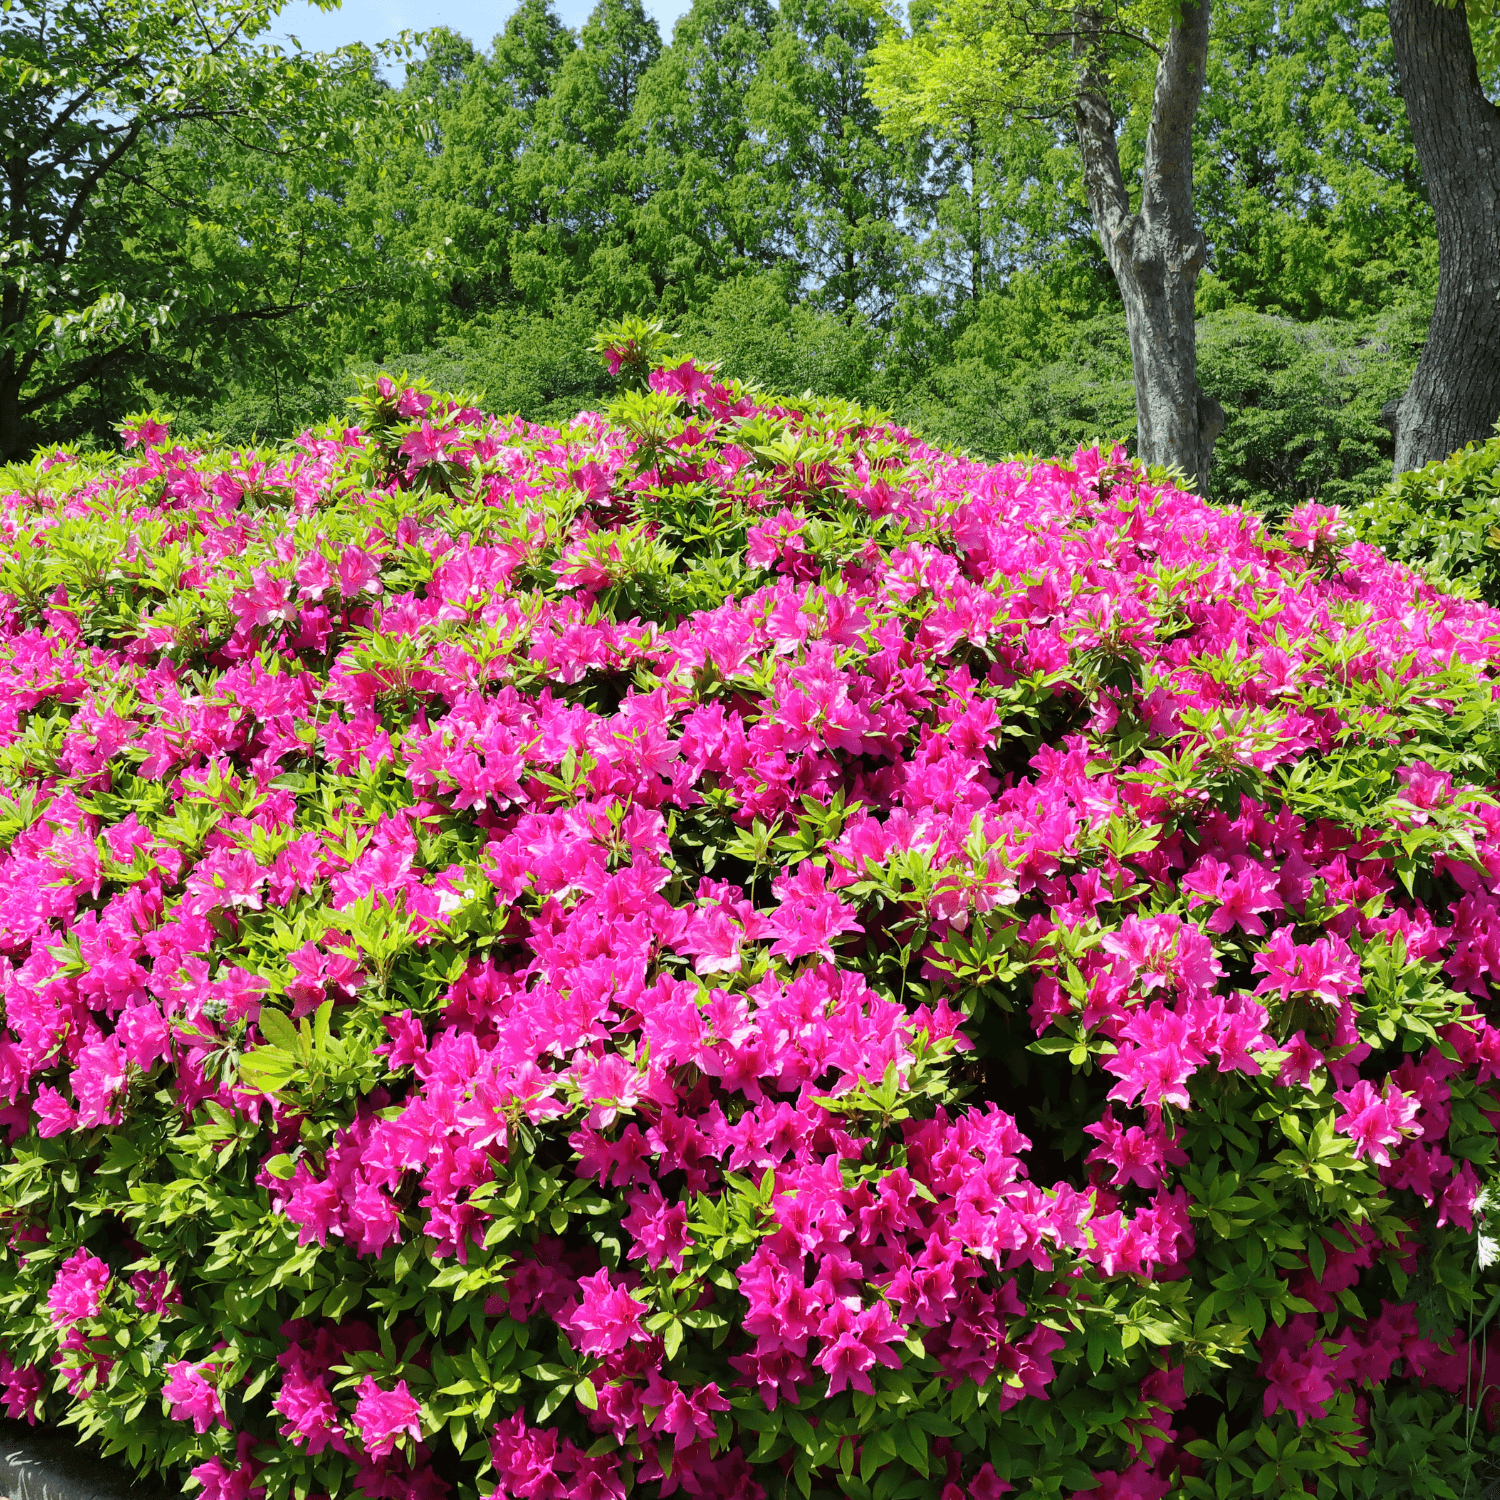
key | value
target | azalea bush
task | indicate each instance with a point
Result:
(1443, 519)
(723, 951)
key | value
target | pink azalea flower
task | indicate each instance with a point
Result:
(1298, 1371)
(359, 573)
(384, 1418)
(988, 1485)
(21, 1386)
(1459, 1198)
(1135, 1483)
(1138, 1156)
(854, 1340)
(429, 445)
(1326, 969)
(220, 1481)
(53, 1113)
(148, 432)
(312, 1419)
(658, 1229)
(1244, 891)
(314, 576)
(193, 1397)
(1301, 1061)
(810, 916)
(1310, 525)
(1375, 1121)
(1157, 1055)
(154, 1292)
(685, 380)
(78, 1289)
(98, 1078)
(608, 1318)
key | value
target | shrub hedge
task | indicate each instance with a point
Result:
(1443, 519)
(721, 950)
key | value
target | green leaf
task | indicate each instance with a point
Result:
(277, 1029)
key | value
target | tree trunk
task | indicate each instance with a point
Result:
(1156, 254)
(10, 421)
(1454, 398)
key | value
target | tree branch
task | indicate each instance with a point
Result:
(77, 376)
(1100, 28)
(1094, 121)
(83, 99)
(85, 191)
(262, 314)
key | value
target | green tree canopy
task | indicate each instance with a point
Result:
(149, 148)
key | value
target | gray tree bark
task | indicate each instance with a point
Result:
(1454, 398)
(1156, 254)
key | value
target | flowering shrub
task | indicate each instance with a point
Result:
(726, 952)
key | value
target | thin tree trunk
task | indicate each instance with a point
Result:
(10, 421)
(1156, 254)
(1454, 398)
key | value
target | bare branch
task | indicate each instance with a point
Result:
(77, 376)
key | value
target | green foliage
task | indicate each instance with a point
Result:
(756, 333)
(1444, 520)
(1030, 390)
(167, 211)
(986, 59)
(476, 224)
(1305, 176)
(1304, 399)
(1304, 403)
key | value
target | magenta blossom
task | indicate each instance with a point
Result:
(312, 1418)
(1311, 526)
(144, 432)
(79, 1288)
(155, 1292)
(1375, 1121)
(20, 1388)
(383, 1418)
(608, 1318)
(192, 1396)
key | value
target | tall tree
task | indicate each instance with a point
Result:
(993, 58)
(528, 53)
(475, 185)
(717, 209)
(84, 89)
(583, 169)
(267, 253)
(1454, 396)
(1307, 182)
(593, 92)
(851, 189)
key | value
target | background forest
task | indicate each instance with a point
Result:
(476, 220)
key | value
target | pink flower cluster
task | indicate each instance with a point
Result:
(702, 886)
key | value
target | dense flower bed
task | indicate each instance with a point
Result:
(726, 952)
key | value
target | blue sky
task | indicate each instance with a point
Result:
(374, 20)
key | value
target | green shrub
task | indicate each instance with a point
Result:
(1444, 519)
(1303, 402)
(756, 333)
(1084, 390)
